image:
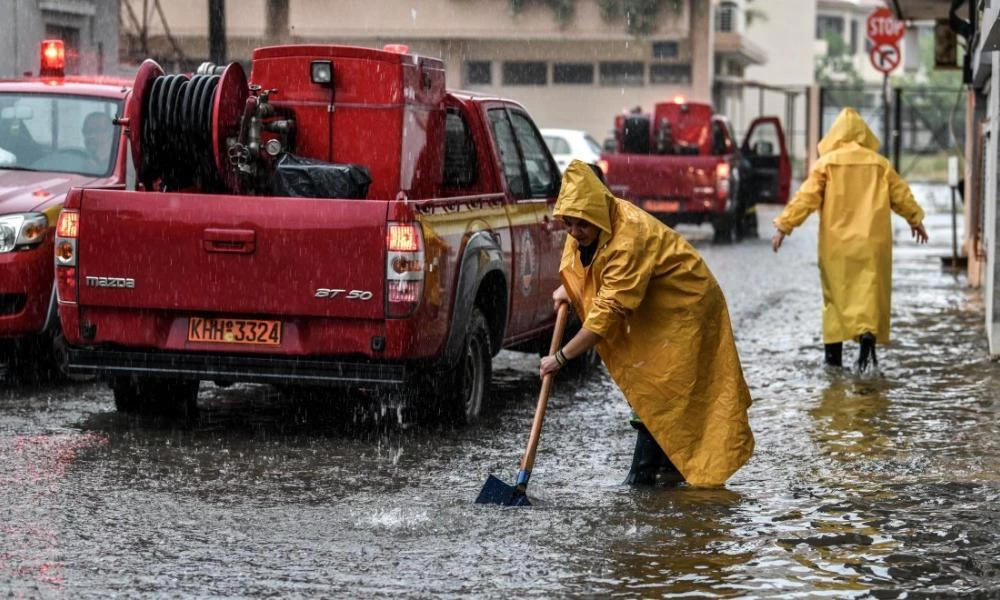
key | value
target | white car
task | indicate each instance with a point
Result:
(567, 144)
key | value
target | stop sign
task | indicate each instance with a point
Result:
(883, 28)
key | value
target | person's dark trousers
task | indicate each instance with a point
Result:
(649, 460)
(835, 354)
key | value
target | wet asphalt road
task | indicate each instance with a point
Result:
(881, 487)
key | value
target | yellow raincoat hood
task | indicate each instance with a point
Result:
(856, 190)
(848, 128)
(665, 332)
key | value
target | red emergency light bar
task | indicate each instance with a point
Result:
(53, 56)
(396, 48)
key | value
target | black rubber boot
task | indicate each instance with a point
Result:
(647, 460)
(835, 354)
(867, 354)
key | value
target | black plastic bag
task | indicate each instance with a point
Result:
(309, 178)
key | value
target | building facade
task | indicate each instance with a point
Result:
(573, 73)
(89, 29)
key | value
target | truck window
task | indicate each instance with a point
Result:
(763, 140)
(69, 134)
(722, 143)
(460, 165)
(510, 158)
(543, 177)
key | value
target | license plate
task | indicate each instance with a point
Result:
(257, 332)
(661, 206)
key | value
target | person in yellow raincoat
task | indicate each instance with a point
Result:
(854, 188)
(660, 324)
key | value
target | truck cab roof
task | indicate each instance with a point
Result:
(101, 87)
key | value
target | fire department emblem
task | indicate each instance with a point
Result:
(527, 265)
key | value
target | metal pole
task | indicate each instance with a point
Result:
(897, 130)
(954, 229)
(886, 127)
(217, 31)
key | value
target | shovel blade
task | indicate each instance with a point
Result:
(497, 492)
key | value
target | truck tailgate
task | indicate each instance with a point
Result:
(232, 255)
(660, 177)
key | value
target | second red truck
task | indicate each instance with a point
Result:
(682, 164)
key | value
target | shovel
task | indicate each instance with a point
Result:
(497, 492)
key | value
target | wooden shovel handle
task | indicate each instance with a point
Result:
(528, 461)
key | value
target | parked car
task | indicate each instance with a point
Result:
(569, 144)
(56, 132)
(396, 243)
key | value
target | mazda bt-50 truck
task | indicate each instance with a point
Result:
(681, 164)
(338, 218)
(56, 132)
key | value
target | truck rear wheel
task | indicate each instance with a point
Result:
(470, 379)
(143, 395)
(459, 393)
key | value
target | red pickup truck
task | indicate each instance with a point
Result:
(56, 132)
(681, 163)
(342, 220)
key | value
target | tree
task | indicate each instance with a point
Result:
(836, 74)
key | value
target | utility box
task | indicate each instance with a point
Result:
(383, 110)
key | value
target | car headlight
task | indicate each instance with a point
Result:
(22, 230)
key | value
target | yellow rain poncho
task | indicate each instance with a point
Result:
(854, 189)
(664, 326)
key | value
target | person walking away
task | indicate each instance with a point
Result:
(659, 321)
(854, 188)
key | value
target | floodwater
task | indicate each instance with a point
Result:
(880, 487)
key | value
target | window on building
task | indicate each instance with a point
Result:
(575, 73)
(660, 73)
(622, 73)
(460, 167)
(854, 36)
(525, 73)
(478, 72)
(666, 49)
(828, 25)
(725, 18)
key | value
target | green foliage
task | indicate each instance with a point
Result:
(933, 99)
(835, 71)
(563, 10)
(837, 66)
(639, 15)
(754, 14)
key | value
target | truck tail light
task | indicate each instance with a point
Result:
(404, 269)
(722, 181)
(604, 166)
(67, 235)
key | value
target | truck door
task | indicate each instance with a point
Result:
(548, 235)
(524, 215)
(764, 149)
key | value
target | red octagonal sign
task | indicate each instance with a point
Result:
(883, 28)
